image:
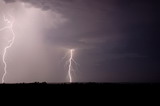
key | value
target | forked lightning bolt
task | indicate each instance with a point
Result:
(10, 27)
(70, 65)
(71, 62)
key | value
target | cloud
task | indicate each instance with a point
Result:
(10, 1)
(87, 19)
(92, 23)
(120, 33)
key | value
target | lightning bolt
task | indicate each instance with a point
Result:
(10, 27)
(70, 63)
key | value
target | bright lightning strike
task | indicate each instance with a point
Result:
(10, 27)
(70, 64)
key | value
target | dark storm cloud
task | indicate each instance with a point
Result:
(123, 33)
(10, 1)
(87, 20)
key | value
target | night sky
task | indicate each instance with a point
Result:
(114, 40)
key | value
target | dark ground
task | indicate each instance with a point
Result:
(84, 85)
(84, 90)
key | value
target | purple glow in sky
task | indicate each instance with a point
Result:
(115, 41)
